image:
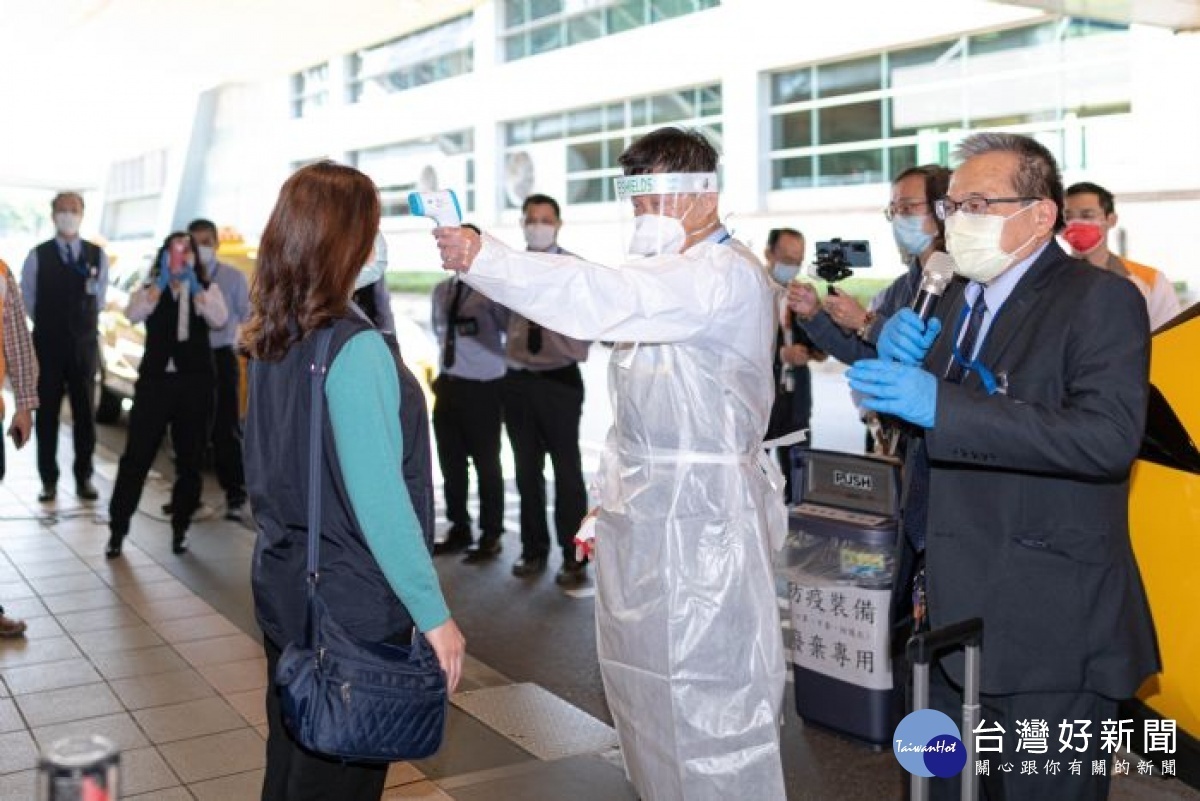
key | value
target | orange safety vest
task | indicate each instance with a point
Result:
(3, 300)
(1147, 275)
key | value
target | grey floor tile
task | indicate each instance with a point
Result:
(17, 752)
(469, 747)
(81, 601)
(14, 590)
(168, 794)
(216, 755)
(239, 787)
(142, 692)
(119, 728)
(76, 582)
(143, 770)
(113, 617)
(417, 791)
(73, 703)
(251, 705)
(129, 638)
(236, 677)
(155, 589)
(55, 567)
(45, 627)
(195, 628)
(25, 608)
(142, 662)
(402, 773)
(188, 720)
(49, 676)
(10, 720)
(33, 650)
(155, 610)
(580, 778)
(32, 554)
(117, 573)
(231, 648)
(18, 786)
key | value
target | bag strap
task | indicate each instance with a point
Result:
(317, 371)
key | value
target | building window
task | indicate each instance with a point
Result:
(310, 90)
(864, 120)
(531, 27)
(432, 54)
(446, 161)
(583, 145)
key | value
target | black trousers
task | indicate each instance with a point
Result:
(226, 434)
(542, 411)
(294, 774)
(181, 403)
(467, 417)
(70, 371)
(1053, 708)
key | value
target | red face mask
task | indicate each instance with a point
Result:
(1083, 236)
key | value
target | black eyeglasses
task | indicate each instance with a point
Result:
(976, 204)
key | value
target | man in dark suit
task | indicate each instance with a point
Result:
(1028, 413)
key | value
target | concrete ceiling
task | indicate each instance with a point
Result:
(1177, 15)
(83, 81)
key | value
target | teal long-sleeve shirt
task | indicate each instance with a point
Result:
(363, 393)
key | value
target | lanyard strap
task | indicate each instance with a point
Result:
(985, 375)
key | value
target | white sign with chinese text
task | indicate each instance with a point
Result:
(841, 631)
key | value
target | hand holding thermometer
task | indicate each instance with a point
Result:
(441, 206)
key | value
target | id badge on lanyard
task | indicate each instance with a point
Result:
(92, 285)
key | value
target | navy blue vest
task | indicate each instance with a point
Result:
(191, 357)
(65, 315)
(276, 455)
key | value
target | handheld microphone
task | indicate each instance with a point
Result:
(936, 276)
(441, 206)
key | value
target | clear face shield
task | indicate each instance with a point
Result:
(661, 210)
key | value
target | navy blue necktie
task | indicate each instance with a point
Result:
(966, 348)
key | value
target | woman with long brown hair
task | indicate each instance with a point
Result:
(377, 578)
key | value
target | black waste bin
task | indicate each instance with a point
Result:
(839, 564)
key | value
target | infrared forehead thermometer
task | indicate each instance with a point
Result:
(441, 206)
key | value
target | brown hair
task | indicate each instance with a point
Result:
(320, 234)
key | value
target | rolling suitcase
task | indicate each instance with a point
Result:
(922, 653)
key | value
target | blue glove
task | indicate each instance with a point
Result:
(905, 339)
(901, 390)
(164, 273)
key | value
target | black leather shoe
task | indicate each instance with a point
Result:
(48, 494)
(86, 491)
(458, 539)
(179, 543)
(571, 574)
(529, 566)
(233, 511)
(483, 551)
(114, 545)
(167, 508)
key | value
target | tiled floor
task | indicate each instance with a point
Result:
(127, 650)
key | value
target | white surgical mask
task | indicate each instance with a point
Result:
(656, 234)
(374, 269)
(910, 234)
(67, 223)
(973, 240)
(540, 236)
(784, 273)
(207, 255)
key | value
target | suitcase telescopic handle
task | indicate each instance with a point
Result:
(922, 649)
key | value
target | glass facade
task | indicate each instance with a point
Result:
(310, 90)
(438, 162)
(594, 137)
(863, 120)
(433, 54)
(531, 27)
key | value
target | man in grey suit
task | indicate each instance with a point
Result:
(1027, 415)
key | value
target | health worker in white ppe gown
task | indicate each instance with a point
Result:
(690, 507)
